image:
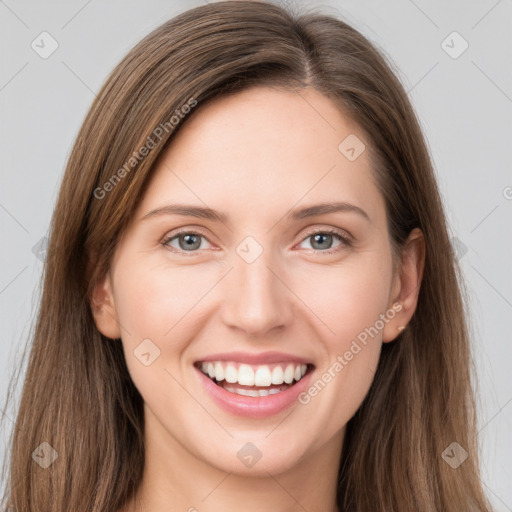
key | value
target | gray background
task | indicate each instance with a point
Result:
(464, 105)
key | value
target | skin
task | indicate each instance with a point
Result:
(254, 156)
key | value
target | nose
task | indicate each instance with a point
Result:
(256, 298)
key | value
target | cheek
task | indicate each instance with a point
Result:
(347, 298)
(158, 307)
(350, 300)
(165, 305)
(153, 301)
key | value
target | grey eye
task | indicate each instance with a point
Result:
(321, 240)
(186, 241)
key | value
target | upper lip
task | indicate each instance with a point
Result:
(252, 358)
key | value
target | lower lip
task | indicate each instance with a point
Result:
(254, 407)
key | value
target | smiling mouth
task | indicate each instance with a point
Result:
(254, 380)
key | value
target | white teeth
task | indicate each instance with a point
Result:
(231, 374)
(245, 392)
(263, 377)
(245, 375)
(254, 393)
(254, 375)
(241, 392)
(219, 372)
(289, 373)
(277, 375)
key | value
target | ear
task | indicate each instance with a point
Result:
(406, 285)
(103, 308)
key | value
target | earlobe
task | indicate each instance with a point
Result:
(103, 308)
(407, 290)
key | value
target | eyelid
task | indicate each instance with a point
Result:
(342, 233)
(188, 229)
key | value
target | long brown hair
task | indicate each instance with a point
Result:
(78, 396)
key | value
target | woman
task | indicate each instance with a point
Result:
(250, 299)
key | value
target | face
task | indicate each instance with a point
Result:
(232, 267)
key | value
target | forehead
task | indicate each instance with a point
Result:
(265, 147)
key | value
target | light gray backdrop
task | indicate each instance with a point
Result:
(454, 60)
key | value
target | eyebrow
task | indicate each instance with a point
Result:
(324, 208)
(293, 215)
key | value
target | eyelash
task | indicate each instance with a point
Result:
(344, 239)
